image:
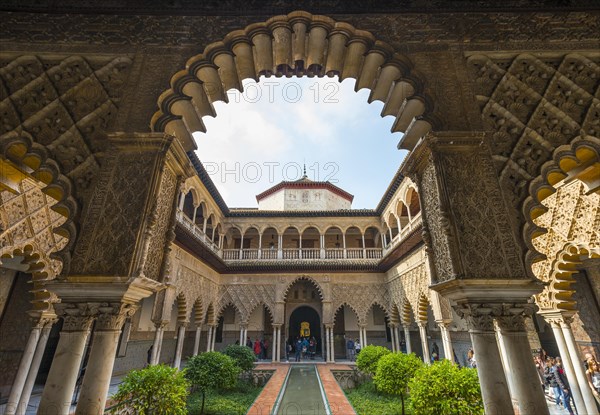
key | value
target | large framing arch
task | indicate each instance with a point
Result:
(311, 280)
(299, 44)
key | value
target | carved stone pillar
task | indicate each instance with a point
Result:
(94, 390)
(209, 338)
(424, 344)
(554, 319)
(494, 387)
(476, 257)
(58, 391)
(36, 341)
(392, 328)
(528, 393)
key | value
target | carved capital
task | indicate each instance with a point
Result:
(161, 324)
(111, 316)
(511, 317)
(76, 316)
(479, 317)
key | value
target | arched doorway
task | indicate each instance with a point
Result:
(305, 322)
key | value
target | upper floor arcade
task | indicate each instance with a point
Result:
(230, 237)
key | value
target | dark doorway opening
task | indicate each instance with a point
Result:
(305, 314)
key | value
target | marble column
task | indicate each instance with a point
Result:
(60, 385)
(407, 339)
(588, 397)
(179, 346)
(35, 366)
(331, 348)
(392, 328)
(423, 334)
(94, 389)
(503, 356)
(446, 339)
(209, 338)
(214, 339)
(197, 339)
(494, 387)
(242, 338)
(24, 366)
(364, 343)
(28, 367)
(326, 344)
(274, 345)
(527, 391)
(554, 323)
(157, 345)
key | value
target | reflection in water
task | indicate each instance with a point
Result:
(302, 395)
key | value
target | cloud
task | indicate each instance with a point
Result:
(264, 136)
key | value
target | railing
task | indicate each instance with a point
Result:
(355, 253)
(334, 253)
(291, 253)
(310, 253)
(249, 253)
(268, 253)
(231, 254)
(195, 229)
(374, 253)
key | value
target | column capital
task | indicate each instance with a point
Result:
(277, 325)
(445, 323)
(422, 323)
(160, 324)
(330, 326)
(557, 318)
(76, 316)
(482, 317)
(111, 316)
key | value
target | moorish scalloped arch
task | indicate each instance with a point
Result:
(350, 306)
(578, 160)
(558, 295)
(40, 273)
(266, 306)
(299, 44)
(303, 278)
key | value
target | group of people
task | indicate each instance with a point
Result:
(303, 348)
(352, 349)
(552, 375)
(259, 347)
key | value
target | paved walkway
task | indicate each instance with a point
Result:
(267, 398)
(335, 395)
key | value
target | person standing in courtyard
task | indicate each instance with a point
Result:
(350, 349)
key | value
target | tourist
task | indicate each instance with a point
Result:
(149, 359)
(304, 348)
(562, 390)
(357, 347)
(471, 359)
(288, 351)
(249, 342)
(593, 376)
(551, 381)
(257, 348)
(539, 368)
(350, 349)
(298, 348)
(312, 347)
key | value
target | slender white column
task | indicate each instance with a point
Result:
(242, 339)
(214, 339)
(259, 246)
(204, 226)
(279, 246)
(33, 370)
(424, 344)
(364, 344)
(197, 339)
(279, 344)
(364, 246)
(326, 344)
(407, 340)
(344, 245)
(393, 338)
(157, 345)
(179, 347)
(60, 385)
(588, 398)
(397, 336)
(24, 366)
(209, 339)
(446, 340)
(568, 366)
(242, 247)
(274, 345)
(332, 352)
(181, 200)
(300, 246)
(194, 215)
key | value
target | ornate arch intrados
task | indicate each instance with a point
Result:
(578, 160)
(264, 306)
(304, 278)
(296, 44)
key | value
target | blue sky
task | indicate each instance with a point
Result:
(267, 133)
